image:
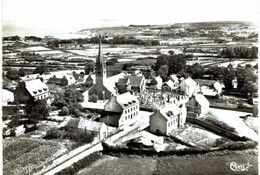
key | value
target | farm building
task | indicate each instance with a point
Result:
(189, 87)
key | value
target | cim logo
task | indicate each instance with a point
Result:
(239, 166)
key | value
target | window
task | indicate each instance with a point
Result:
(169, 124)
(125, 111)
(125, 117)
(131, 116)
(128, 110)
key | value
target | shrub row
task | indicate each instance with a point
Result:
(75, 167)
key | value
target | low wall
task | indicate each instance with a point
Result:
(216, 129)
(232, 109)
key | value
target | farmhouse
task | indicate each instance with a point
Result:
(124, 109)
(189, 87)
(133, 82)
(156, 83)
(209, 88)
(165, 120)
(34, 89)
(197, 105)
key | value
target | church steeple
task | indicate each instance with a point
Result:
(100, 65)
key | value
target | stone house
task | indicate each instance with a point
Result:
(165, 120)
(189, 87)
(34, 89)
(131, 83)
(124, 107)
(197, 105)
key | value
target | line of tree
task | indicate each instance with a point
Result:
(95, 40)
(239, 52)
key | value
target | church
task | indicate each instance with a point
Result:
(102, 88)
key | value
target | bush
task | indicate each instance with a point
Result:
(93, 98)
(239, 145)
(64, 111)
(53, 133)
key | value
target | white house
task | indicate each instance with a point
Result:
(99, 129)
(197, 105)
(165, 120)
(35, 89)
(7, 96)
(156, 83)
(126, 106)
(189, 87)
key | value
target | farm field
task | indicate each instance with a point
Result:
(209, 163)
(33, 49)
(18, 151)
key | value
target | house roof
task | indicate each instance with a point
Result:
(122, 81)
(126, 99)
(136, 80)
(201, 99)
(170, 111)
(90, 125)
(170, 84)
(54, 80)
(174, 78)
(36, 87)
(190, 82)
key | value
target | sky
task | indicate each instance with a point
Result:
(74, 15)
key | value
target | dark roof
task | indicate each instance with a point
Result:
(205, 82)
(54, 80)
(78, 76)
(136, 80)
(122, 81)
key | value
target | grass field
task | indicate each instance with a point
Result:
(18, 151)
(199, 164)
(126, 165)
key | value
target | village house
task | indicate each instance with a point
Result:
(165, 120)
(197, 105)
(122, 109)
(156, 83)
(7, 97)
(209, 88)
(99, 130)
(58, 81)
(169, 86)
(189, 87)
(32, 89)
(131, 83)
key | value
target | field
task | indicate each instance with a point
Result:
(199, 136)
(17, 152)
(199, 164)
(33, 49)
(126, 165)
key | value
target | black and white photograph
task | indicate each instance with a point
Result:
(133, 87)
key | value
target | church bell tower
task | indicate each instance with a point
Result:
(100, 66)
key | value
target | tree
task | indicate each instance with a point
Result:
(64, 111)
(196, 70)
(21, 72)
(41, 69)
(228, 78)
(37, 109)
(90, 67)
(12, 75)
(163, 72)
(112, 61)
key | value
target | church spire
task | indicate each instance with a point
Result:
(99, 58)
